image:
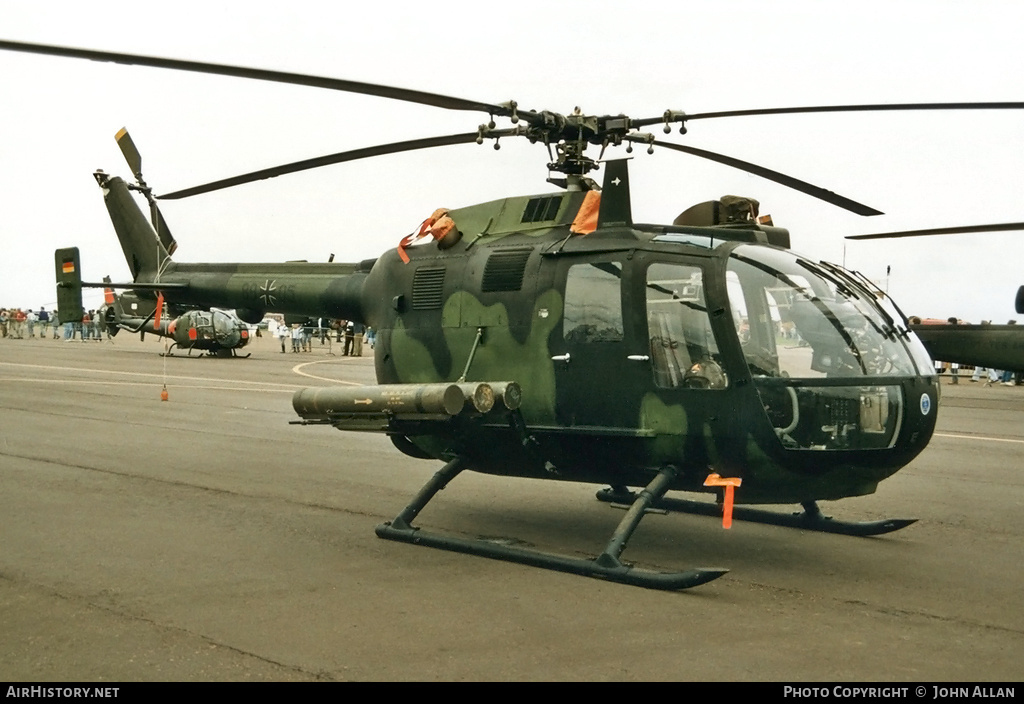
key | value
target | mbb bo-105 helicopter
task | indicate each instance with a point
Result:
(550, 336)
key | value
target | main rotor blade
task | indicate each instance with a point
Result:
(411, 96)
(894, 107)
(794, 183)
(365, 152)
(998, 227)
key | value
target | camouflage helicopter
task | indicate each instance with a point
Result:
(550, 336)
(217, 333)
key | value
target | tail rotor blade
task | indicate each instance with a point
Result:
(131, 153)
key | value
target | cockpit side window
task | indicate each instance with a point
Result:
(684, 352)
(593, 303)
(758, 327)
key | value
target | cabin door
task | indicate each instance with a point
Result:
(601, 367)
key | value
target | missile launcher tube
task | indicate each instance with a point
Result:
(322, 403)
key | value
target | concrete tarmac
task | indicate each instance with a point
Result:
(205, 538)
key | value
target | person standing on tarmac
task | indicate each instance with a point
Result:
(281, 333)
(358, 331)
(43, 320)
(350, 336)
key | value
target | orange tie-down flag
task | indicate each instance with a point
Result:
(159, 310)
(586, 218)
(730, 483)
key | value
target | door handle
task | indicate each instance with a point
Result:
(561, 358)
(639, 358)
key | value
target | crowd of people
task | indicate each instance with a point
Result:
(21, 324)
(351, 334)
(301, 335)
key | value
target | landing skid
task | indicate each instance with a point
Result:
(811, 518)
(606, 566)
(219, 353)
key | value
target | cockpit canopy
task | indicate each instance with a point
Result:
(803, 320)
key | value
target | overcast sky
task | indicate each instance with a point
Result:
(59, 117)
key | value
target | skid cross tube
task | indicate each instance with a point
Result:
(811, 518)
(606, 566)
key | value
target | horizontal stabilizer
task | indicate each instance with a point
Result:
(142, 286)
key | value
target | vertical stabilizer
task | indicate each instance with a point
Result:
(143, 250)
(615, 202)
(69, 284)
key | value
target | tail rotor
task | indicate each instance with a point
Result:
(134, 159)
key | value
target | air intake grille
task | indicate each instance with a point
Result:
(542, 209)
(428, 288)
(504, 270)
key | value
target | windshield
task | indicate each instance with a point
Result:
(802, 320)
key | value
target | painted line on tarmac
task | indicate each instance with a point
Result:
(290, 387)
(964, 436)
(298, 370)
(149, 384)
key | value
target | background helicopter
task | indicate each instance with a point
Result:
(591, 347)
(999, 346)
(217, 333)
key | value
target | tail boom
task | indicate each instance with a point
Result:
(330, 290)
